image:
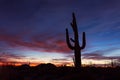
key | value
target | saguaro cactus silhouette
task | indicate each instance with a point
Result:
(76, 47)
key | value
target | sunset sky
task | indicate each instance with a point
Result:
(34, 30)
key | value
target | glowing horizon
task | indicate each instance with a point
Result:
(57, 59)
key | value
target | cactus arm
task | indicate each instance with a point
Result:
(68, 41)
(75, 30)
(83, 41)
(73, 23)
(73, 27)
(73, 60)
(72, 39)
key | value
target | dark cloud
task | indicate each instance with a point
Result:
(51, 44)
(61, 61)
(7, 57)
(94, 56)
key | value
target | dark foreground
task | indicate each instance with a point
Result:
(51, 72)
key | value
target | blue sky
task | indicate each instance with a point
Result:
(37, 27)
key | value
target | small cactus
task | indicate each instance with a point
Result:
(76, 47)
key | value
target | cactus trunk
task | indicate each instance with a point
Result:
(77, 48)
(77, 58)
